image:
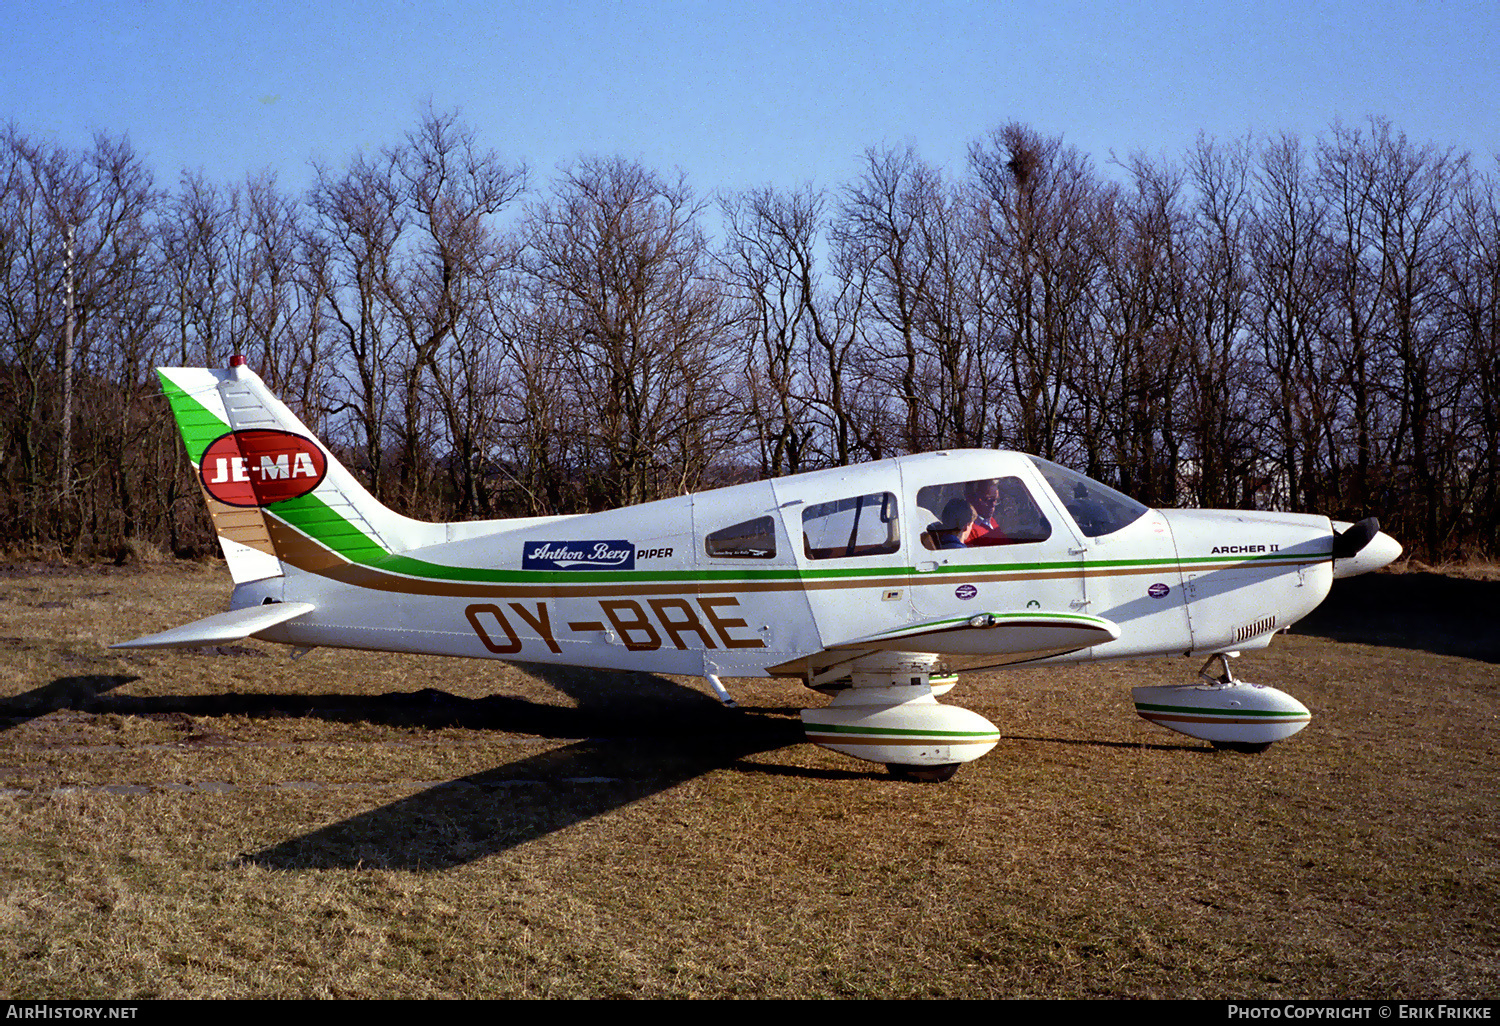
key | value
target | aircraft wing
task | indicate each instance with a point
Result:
(1031, 632)
(235, 625)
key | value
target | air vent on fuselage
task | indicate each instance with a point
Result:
(1252, 630)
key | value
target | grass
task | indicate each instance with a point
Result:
(353, 825)
(1478, 568)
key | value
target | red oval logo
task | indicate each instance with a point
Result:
(258, 467)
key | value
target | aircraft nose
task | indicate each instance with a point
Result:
(1379, 551)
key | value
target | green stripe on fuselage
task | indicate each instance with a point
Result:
(322, 524)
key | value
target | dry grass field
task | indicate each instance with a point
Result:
(234, 823)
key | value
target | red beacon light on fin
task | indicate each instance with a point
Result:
(237, 360)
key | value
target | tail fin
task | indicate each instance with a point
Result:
(276, 494)
(201, 418)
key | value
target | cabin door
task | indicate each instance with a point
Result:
(992, 545)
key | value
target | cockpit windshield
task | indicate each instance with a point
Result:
(1097, 509)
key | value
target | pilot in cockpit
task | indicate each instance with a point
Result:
(948, 532)
(984, 497)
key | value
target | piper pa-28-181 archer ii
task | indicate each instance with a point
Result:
(873, 583)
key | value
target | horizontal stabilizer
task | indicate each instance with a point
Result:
(235, 625)
(1030, 633)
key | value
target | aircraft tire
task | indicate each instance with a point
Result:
(923, 774)
(1243, 747)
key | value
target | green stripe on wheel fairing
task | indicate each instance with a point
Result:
(829, 728)
(1200, 711)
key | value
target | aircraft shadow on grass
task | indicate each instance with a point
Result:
(662, 736)
(641, 735)
(1426, 611)
(82, 693)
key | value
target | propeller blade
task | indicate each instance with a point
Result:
(1349, 541)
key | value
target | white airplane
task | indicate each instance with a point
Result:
(873, 583)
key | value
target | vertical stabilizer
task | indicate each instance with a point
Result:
(276, 493)
(193, 393)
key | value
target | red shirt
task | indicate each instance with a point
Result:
(983, 532)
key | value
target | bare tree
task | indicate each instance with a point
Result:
(1218, 417)
(621, 269)
(453, 189)
(278, 319)
(1408, 213)
(72, 233)
(1139, 336)
(1393, 332)
(351, 261)
(879, 234)
(1474, 282)
(912, 240)
(954, 321)
(197, 232)
(1291, 260)
(537, 449)
(769, 269)
(1039, 199)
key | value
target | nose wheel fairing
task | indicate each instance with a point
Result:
(1224, 711)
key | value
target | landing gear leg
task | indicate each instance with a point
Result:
(1227, 677)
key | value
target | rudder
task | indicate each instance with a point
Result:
(193, 394)
(277, 495)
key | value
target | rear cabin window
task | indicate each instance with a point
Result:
(753, 539)
(866, 525)
(986, 511)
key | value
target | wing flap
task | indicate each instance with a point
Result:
(221, 628)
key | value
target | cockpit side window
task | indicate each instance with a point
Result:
(753, 539)
(865, 525)
(1097, 509)
(986, 511)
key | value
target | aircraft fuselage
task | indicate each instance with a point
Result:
(774, 576)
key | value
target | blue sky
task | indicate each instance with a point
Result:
(733, 94)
